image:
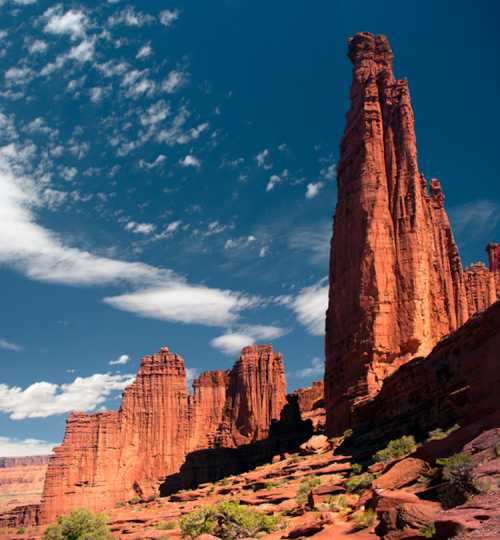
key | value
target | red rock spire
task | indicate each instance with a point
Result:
(494, 259)
(396, 282)
(111, 456)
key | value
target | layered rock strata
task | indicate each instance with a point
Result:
(396, 280)
(493, 251)
(112, 456)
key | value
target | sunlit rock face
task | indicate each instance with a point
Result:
(396, 280)
(113, 456)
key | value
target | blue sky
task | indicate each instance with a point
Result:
(167, 177)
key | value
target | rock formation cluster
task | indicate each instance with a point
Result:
(113, 456)
(396, 280)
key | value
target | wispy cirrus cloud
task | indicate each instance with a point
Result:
(9, 345)
(475, 218)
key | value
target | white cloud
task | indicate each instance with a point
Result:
(275, 179)
(175, 81)
(73, 22)
(261, 159)
(9, 346)
(121, 360)
(43, 255)
(184, 303)
(39, 253)
(316, 369)
(43, 399)
(68, 173)
(313, 189)
(144, 51)
(191, 374)
(83, 52)
(168, 16)
(329, 172)
(130, 17)
(24, 447)
(232, 342)
(190, 161)
(140, 228)
(310, 307)
(37, 47)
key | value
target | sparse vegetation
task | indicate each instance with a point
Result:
(21, 530)
(357, 468)
(224, 482)
(81, 524)
(439, 434)
(151, 498)
(457, 473)
(165, 525)
(120, 504)
(273, 484)
(364, 519)
(338, 503)
(359, 482)
(294, 458)
(397, 449)
(135, 500)
(305, 488)
(228, 520)
(428, 531)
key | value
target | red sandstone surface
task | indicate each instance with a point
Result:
(396, 280)
(21, 480)
(113, 456)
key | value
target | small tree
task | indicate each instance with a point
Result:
(81, 524)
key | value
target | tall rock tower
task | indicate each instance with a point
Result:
(396, 281)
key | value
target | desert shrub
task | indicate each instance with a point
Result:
(305, 488)
(151, 498)
(294, 458)
(21, 530)
(356, 468)
(135, 500)
(338, 503)
(81, 524)
(165, 525)
(428, 531)
(457, 473)
(120, 504)
(224, 481)
(228, 520)
(273, 484)
(359, 482)
(364, 519)
(438, 434)
(397, 448)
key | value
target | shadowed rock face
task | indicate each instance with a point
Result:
(112, 456)
(457, 383)
(396, 280)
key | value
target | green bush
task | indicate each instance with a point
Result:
(438, 434)
(165, 525)
(359, 482)
(21, 530)
(81, 524)
(135, 500)
(397, 448)
(339, 441)
(228, 520)
(364, 519)
(305, 488)
(457, 473)
(357, 468)
(428, 531)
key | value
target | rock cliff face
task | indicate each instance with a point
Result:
(480, 286)
(112, 456)
(396, 280)
(23, 461)
(494, 258)
(456, 383)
